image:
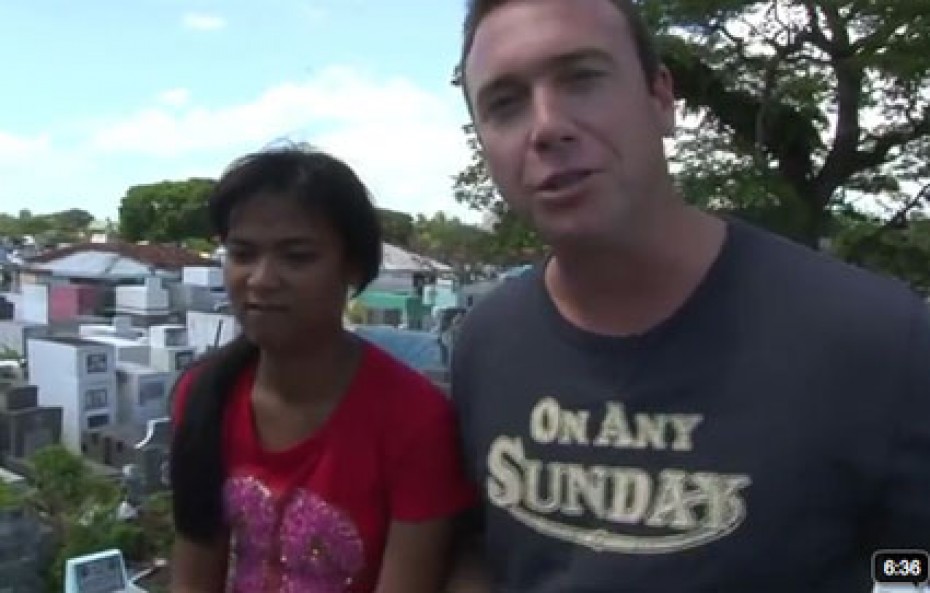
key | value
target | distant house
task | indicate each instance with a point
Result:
(113, 262)
(85, 279)
(406, 272)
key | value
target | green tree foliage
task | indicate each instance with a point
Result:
(512, 240)
(9, 498)
(804, 106)
(396, 227)
(166, 212)
(80, 507)
(59, 227)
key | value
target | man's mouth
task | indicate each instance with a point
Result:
(560, 181)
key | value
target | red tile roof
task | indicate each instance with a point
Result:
(165, 257)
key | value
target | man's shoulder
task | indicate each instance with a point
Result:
(508, 297)
(824, 286)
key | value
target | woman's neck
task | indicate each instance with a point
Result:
(319, 372)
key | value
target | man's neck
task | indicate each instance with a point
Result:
(630, 286)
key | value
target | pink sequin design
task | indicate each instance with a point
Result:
(320, 548)
(250, 513)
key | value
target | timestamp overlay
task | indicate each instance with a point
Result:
(901, 567)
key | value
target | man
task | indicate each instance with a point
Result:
(671, 401)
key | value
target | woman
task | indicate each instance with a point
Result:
(305, 459)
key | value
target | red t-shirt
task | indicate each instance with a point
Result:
(323, 507)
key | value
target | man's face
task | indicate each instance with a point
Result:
(286, 272)
(570, 129)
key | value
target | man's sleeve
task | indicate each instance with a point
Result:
(426, 473)
(904, 519)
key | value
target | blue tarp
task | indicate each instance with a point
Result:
(419, 350)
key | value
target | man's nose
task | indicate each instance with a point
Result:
(552, 127)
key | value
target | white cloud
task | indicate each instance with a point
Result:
(404, 141)
(203, 22)
(16, 149)
(174, 97)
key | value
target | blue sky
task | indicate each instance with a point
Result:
(101, 95)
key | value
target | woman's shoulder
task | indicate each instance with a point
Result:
(201, 377)
(397, 384)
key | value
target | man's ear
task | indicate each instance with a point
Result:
(663, 95)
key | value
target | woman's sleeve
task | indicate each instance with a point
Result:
(426, 472)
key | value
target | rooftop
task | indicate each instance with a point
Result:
(121, 259)
(70, 341)
(396, 259)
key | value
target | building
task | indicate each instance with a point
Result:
(406, 272)
(25, 426)
(21, 540)
(142, 393)
(206, 331)
(201, 289)
(15, 334)
(78, 376)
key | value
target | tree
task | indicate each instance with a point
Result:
(166, 212)
(74, 220)
(805, 105)
(59, 227)
(396, 227)
(449, 240)
(512, 240)
(9, 497)
(805, 109)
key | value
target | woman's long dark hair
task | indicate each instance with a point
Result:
(327, 187)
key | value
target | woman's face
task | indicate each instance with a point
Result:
(286, 272)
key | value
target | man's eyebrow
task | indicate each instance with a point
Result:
(557, 61)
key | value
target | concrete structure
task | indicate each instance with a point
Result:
(34, 306)
(131, 344)
(68, 301)
(20, 544)
(79, 377)
(168, 336)
(206, 330)
(26, 427)
(148, 300)
(7, 308)
(113, 446)
(207, 277)
(15, 334)
(142, 393)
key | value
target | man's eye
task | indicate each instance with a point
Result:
(502, 106)
(583, 75)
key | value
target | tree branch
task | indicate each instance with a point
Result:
(885, 142)
(896, 221)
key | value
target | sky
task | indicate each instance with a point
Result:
(102, 95)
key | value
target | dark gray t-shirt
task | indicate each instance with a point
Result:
(769, 436)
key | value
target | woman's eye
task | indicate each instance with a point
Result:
(240, 255)
(299, 257)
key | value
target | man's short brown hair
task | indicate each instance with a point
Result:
(477, 10)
